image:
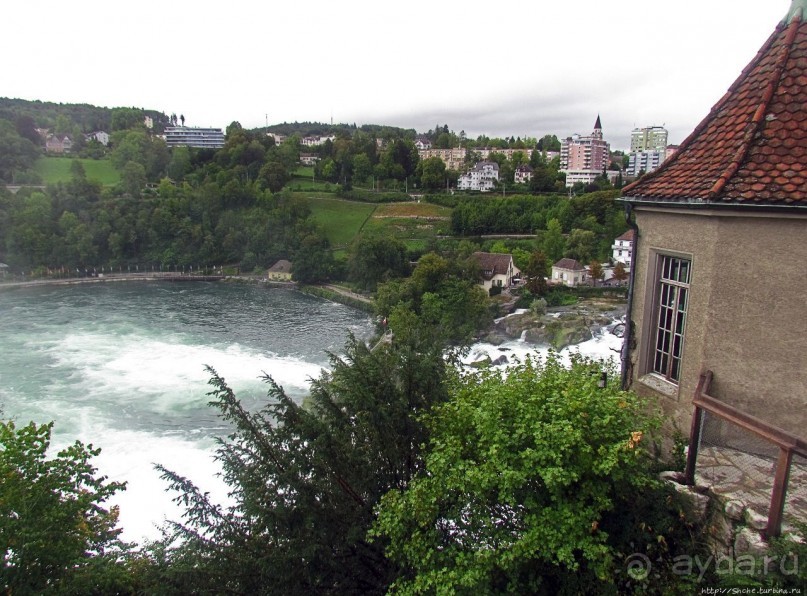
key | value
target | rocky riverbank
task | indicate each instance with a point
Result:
(557, 327)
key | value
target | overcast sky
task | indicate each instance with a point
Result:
(497, 68)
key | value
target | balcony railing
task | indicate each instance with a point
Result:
(788, 444)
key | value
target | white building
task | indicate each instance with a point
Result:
(100, 136)
(523, 174)
(646, 161)
(484, 176)
(277, 138)
(569, 273)
(188, 136)
(422, 143)
(623, 248)
(309, 159)
(498, 270)
(314, 141)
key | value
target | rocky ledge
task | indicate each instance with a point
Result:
(560, 326)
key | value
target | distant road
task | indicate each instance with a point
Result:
(348, 293)
(14, 188)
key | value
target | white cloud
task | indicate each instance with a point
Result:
(504, 68)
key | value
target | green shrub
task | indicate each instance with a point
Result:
(523, 471)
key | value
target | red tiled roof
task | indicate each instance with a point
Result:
(627, 236)
(493, 263)
(569, 264)
(752, 147)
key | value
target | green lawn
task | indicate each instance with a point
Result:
(57, 169)
(416, 224)
(341, 220)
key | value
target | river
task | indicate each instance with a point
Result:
(121, 366)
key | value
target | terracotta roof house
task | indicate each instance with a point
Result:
(58, 144)
(569, 272)
(714, 225)
(497, 269)
(280, 271)
(623, 248)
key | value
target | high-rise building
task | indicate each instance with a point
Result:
(650, 138)
(582, 159)
(648, 149)
(187, 136)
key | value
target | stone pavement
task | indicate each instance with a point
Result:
(733, 474)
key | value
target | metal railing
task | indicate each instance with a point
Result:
(787, 443)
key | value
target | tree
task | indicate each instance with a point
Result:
(619, 272)
(54, 531)
(126, 118)
(133, 178)
(432, 173)
(17, 154)
(377, 258)
(549, 143)
(536, 273)
(362, 167)
(180, 163)
(580, 245)
(525, 473)
(553, 242)
(596, 271)
(313, 261)
(306, 481)
(274, 175)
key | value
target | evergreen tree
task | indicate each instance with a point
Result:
(305, 480)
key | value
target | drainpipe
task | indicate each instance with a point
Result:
(627, 337)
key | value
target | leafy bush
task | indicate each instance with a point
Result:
(522, 472)
(54, 533)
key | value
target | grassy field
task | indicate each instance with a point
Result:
(416, 224)
(57, 169)
(341, 220)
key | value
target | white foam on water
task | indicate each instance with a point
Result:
(153, 380)
(129, 456)
(169, 373)
(603, 346)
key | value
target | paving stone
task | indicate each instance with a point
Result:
(750, 542)
(734, 509)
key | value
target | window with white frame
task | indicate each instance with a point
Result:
(671, 307)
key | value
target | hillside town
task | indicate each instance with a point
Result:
(551, 365)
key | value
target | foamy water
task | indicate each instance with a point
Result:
(603, 346)
(123, 369)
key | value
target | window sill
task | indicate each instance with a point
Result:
(660, 385)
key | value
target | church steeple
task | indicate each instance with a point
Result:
(597, 128)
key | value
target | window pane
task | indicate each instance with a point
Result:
(673, 296)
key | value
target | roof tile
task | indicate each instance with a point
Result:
(752, 147)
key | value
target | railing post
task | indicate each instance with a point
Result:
(704, 382)
(694, 442)
(779, 492)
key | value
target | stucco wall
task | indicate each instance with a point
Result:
(747, 316)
